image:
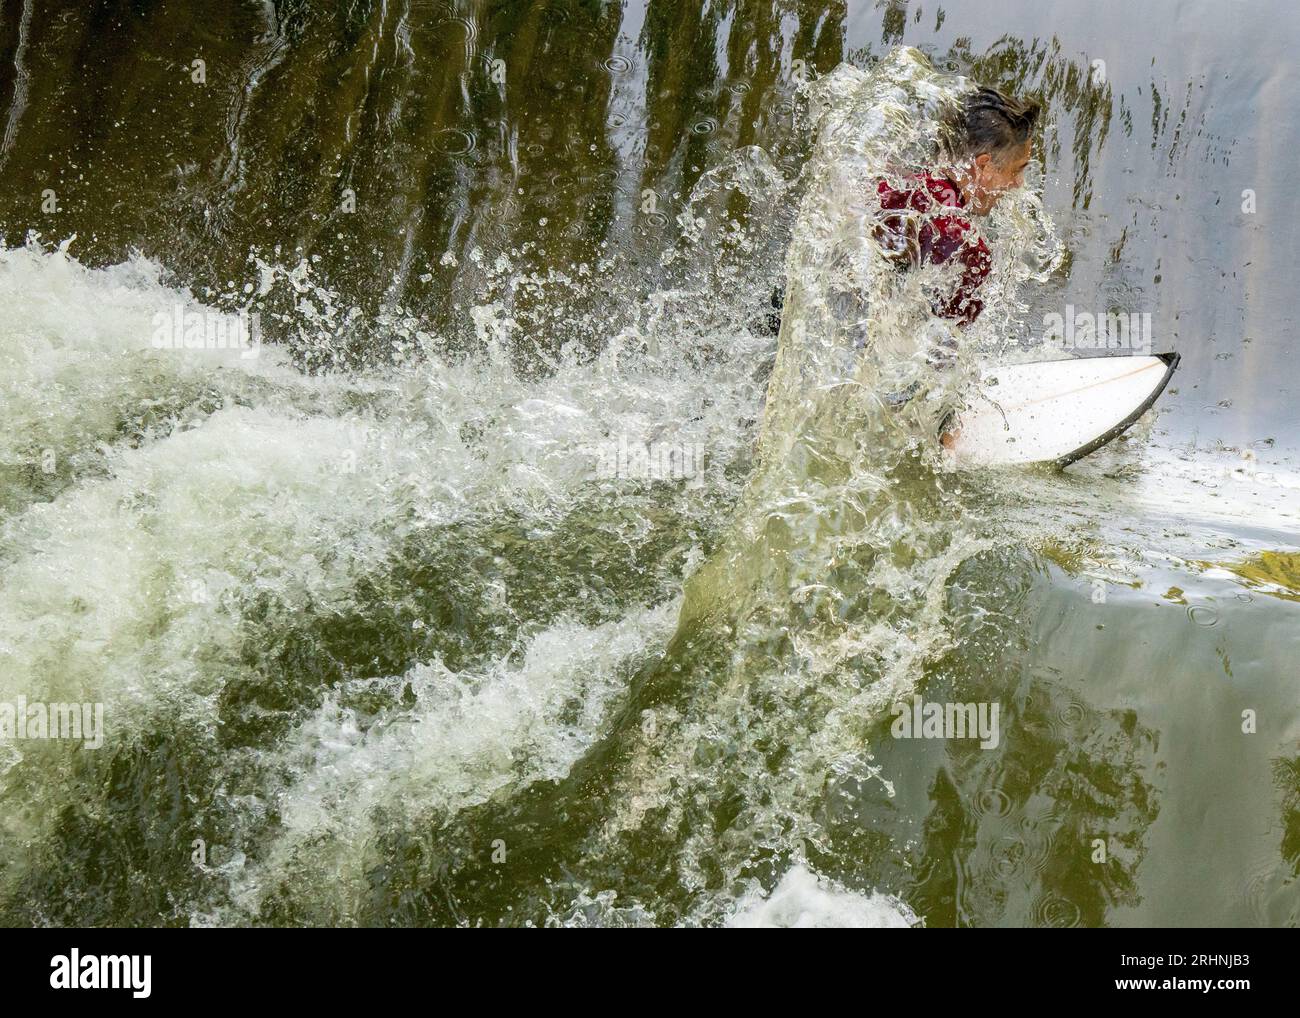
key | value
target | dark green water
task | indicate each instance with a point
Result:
(374, 643)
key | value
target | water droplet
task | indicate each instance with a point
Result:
(454, 142)
(993, 802)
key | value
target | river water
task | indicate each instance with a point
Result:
(518, 574)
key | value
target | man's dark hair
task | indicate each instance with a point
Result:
(990, 121)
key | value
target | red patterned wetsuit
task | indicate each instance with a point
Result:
(942, 235)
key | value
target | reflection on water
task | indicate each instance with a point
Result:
(376, 642)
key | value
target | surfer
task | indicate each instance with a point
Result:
(925, 217)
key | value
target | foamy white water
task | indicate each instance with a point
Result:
(804, 900)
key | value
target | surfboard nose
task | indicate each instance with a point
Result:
(1055, 411)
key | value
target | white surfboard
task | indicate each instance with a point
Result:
(1054, 411)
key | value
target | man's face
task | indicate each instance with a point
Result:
(991, 177)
